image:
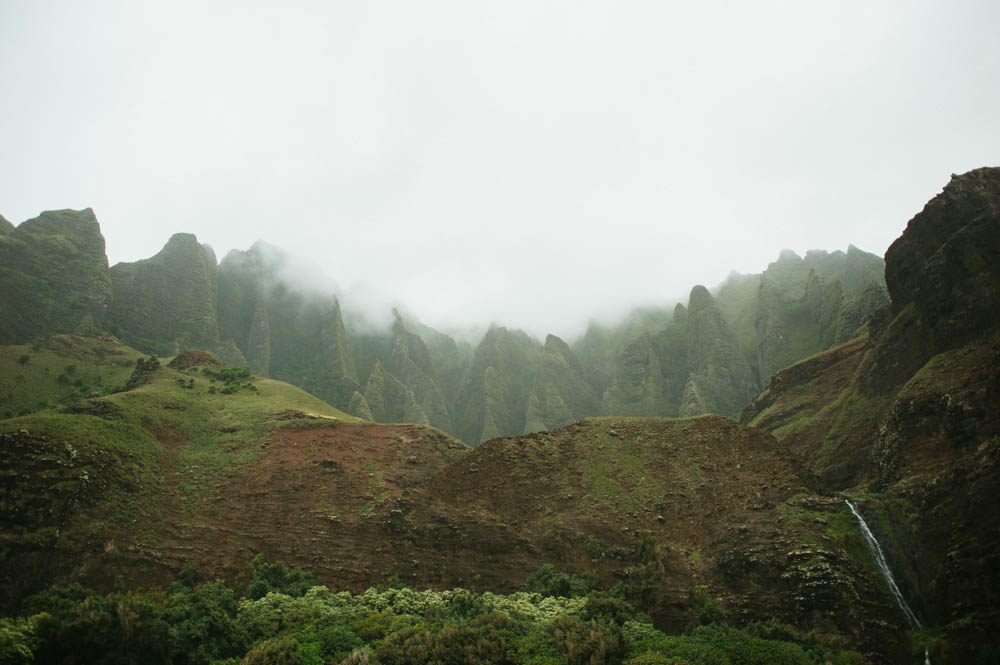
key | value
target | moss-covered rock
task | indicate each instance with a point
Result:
(54, 274)
(494, 395)
(166, 304)
(410, 361)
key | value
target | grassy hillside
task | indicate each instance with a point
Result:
(60, 370)
(203, 464)
(130, 481)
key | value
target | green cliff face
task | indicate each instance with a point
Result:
(54, 274)
(559, 393)
(358, 406)
(283, 331)
(805, 305)
(494, 397)
(705, 358)
(389, 400)
(602, 344)
(166, 304)
(410, 362)
(719, 379)
(693, 366)
(644, 383)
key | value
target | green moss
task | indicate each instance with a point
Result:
(54, 275)
(166, 304)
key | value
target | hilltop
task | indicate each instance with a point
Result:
(177, 462)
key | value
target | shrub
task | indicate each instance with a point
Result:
(548, 581)
(280, 651)
(276, 578)
(588, 642)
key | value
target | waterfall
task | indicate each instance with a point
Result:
(883, 567)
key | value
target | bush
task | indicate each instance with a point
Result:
(280, 651)
(276, 578)
(548, 581)
(588, 642)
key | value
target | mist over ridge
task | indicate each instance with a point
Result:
(538, 309)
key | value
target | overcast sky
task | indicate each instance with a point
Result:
(534, 163)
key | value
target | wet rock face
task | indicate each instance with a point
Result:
(947, 262)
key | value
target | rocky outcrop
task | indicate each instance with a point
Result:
(719, 380)
(559, 393)
(694, 366)
(143, 372)
(258, 351)
(943, 276)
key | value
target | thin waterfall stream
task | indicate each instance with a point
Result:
(883, 568)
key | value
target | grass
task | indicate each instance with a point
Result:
(222, 433)
(92, 472)
(60, 370)
(613, 471)
(841, 527)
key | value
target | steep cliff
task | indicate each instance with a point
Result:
(910, 411)
(54, 274)
(166, 304)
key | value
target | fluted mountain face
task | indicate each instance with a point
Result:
(559, 393)
(493, 397)
(409, 362)
(693, 366)
(54, 274)
(715, 354)
(719, 380)
(166, 304)
(601, 344)
(805, 305)
(283, 331)
(254, 309)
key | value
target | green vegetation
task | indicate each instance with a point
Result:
(284, 618)
(54, 275)
(214, 417)
(60, 371)
(219, 432)
(166, 304)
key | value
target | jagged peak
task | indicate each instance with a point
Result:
(680, 313)
(555, 343)
(789, 255)
(700, 299)
(377, 369)
(82, 220)
(183, 239)
(398, 326)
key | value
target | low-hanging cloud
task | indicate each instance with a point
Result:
(530, 163)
